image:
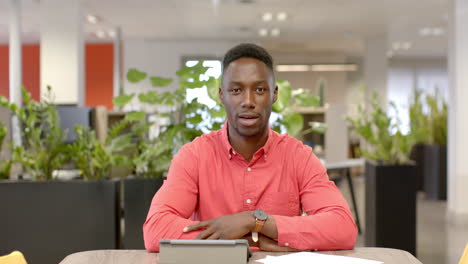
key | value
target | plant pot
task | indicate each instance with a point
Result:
(138, 194)
(47, 221)
(435, 172)
(417, 155)
(391, 206)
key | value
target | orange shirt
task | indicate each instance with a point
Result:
(208, 179)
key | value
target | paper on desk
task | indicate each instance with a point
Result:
(315, 258)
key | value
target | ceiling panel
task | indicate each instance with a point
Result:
(310, 23)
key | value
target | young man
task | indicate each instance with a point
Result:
(247, 181)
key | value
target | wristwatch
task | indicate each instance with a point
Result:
(260, 219)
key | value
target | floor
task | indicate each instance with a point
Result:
(441, 238)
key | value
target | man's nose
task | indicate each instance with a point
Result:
(248, 101)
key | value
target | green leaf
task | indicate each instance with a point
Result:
(192, 84)
(284, 95)
(160, 82)
(134, 76)
(193, 72)
(122, 100)
(306, 99)
(212, 86)
(136, 116)
(217, 113)
(150, 97)
(294, 123)
(195, 120)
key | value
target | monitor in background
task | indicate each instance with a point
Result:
(70, 116)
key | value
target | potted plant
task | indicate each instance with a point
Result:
(429, 128)
(390, 179)
(47, 218)
(5, 165)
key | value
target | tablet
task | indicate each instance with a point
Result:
(182, 251)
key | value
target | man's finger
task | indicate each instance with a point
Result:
(196, 226)
(214, 236)
(203, 235)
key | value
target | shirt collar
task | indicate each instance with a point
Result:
(230, 150)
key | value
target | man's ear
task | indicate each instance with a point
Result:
(275, 94)
(221, 95)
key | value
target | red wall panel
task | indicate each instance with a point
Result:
(99, 62)
(99, 74)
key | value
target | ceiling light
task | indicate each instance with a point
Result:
(281, 16)
(406, 45)
(111, 33)
(275, 32)
(438, 31)
(333, 67)
(317, 68)
(100, 34)
(263, 32)
(292, 68)
(267, 16)
(425, 31)
(92, 19)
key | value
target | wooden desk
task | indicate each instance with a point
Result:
(387, 255)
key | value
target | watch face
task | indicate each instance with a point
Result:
(260, 214)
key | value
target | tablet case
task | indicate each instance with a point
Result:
(174, 251)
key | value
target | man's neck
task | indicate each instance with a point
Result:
(247, 146)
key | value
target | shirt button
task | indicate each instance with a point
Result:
(266, 155)
(248, 201)
(233, 152)
(286, 244)
(230, 156)
(249, 169)
(315, 249)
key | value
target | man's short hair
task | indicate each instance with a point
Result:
(248, 50)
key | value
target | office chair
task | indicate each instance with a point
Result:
(14, 257)
(464, 257)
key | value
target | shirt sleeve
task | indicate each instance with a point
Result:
(329, 224)
(175, 202)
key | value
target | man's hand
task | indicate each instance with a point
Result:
(267, 244)
(225, 227)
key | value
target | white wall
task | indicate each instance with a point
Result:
(62, 50)
(164, 57)
(421, 73)
(336, 137)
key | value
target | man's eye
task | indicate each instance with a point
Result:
(260, 90)
(235, 90)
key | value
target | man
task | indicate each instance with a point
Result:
(247, 181)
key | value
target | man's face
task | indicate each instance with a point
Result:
(248, 92)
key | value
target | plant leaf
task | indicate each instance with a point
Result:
(307, 99)
(150, 97)
(135, 116)
(284, 95)
(294, 123)
(134, 76)
(122, 100)
(160, 82)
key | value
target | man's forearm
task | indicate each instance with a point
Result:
(165, 225)
(333, 229)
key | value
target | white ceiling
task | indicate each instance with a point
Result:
(323, 25)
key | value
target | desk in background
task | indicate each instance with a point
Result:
(344, 167)
(387, 255)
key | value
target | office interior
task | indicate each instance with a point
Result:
(84, 49)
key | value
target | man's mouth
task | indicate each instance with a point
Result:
(248, 119)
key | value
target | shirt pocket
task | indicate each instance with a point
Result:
(281, 203)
